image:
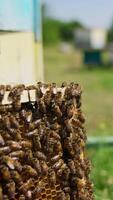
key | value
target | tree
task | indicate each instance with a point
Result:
(110, 33)
(51, 31)
(67, 29)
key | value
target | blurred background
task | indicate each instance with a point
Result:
(56, 41)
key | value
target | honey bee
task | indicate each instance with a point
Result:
(31, 87)
(31, 133)
(58, 164)
(8, 87)
(36, 142)
(16, 177)
(67, 93)
(77, 123)
(17, 105)
(14, 122)
(1, 192)
(26, 116)
(16, 92)
(68, 145)
(29, 171)
(11, 189)
(67, 189)
(86, 166)
(5, 197)
(26, 144)
(36, 165)
(28, 195)
(56, 158)
(57, 147)
(2, 142)
(74, 195)
(81, 133)
(6, 122)
(67, 196)
(28, 156)
(40, 155)
(5, 172)
(6, 135)
(57, 111)
(39, 93)
(22, 197)
(65, 134)
(44, 167)
(36, 192)
(18, 166)
(55, 126)
(60, 171)
(73, 182)
(66, 174)
(18, 135)
(26, 186)
(53, 86)
(82, 195)
(89, 187)
(64, 84)
(55, 135)
(71, 111)
(58, 98)
(71, 166)
(68, 125)
(46, 122)
(34, 124)
(8, 161)
(47, 98)
(15, 134)
(52, 177)
(61, 196)
(5, 150)
(13, 145)
(23, 114)
(41, 132)
(2, 92)
(3, 109)
(19, 154)
(39, 84)
(81, 116)
(50, 145)
(80, 173)
(42, 106)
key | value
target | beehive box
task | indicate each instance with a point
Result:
(42, 142)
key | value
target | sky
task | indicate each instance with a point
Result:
(92, 13)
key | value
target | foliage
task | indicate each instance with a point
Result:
(56, 30)
(110, 34)
(67, 30)
(51, 31)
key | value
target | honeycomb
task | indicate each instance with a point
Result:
(49, 193)
(42, 143)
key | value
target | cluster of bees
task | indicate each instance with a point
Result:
(44, 138)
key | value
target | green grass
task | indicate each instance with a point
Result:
(97, 87)
(102, 173)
